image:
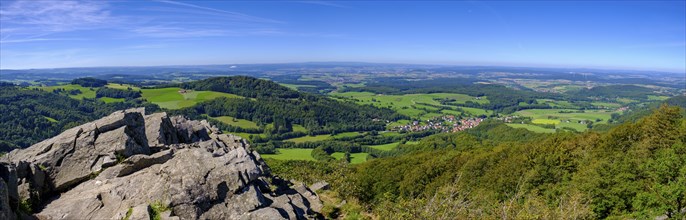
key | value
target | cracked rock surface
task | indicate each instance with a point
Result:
(132, 165)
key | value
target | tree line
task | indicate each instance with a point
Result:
(117, 93)
(89, 82)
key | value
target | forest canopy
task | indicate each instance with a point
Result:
(89, 82)
(28, 116)
(636, 170)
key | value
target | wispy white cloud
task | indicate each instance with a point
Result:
(56, 16)
(176, 32)
(25, 21)
(30, 21)
(33, 21)
(232, 14)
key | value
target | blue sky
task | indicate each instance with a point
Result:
(647, 35)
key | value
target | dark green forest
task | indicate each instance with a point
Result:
(28, 116)
(117, 93)
(319, 115)
(243, 86)
(89, 82)
(615, 91)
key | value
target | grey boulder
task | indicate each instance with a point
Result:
(136, 166)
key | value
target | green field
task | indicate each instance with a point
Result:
(476, 111)
(545, 121)
(556, 103)
(657, 97)
(291, 154)
(348, 134)
(354, 85)
(249, 124)
(323, 137)
(386, 147)
(451, 112)
(569, 120)
(295, 86)
(306, 154)
(544, 113)
(412, 104)
(299, 128)
(567, 88)
(110, 100)
(122, 86)
(309, 138)
(170, 98)
(246, 135)
(530, 127)
(606, 104)
(237, 122)
(355, 158)
(626, 101)
(85, 92)
(573, 125)
(472, 111)
(430, 115)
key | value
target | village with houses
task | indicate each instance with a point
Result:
(445, 123)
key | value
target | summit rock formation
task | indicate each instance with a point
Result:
(129, 165)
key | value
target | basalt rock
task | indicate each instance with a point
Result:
(9, 196)
(160, 130)
(137, 165)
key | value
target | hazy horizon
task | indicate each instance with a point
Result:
(362, 62)
(639, 36)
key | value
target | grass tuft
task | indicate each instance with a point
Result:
(128, 214)
(156, 209)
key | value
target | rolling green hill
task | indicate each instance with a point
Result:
(268, 102)
(176, 98)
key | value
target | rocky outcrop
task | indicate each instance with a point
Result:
(132, 165)
(322, 185)
(9, 196)
(192, 131)
(160, 130)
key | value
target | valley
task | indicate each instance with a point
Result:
(423, 107)
(380, 133)
(342, 110)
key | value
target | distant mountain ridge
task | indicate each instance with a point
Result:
(306, 67)
(238, 66)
